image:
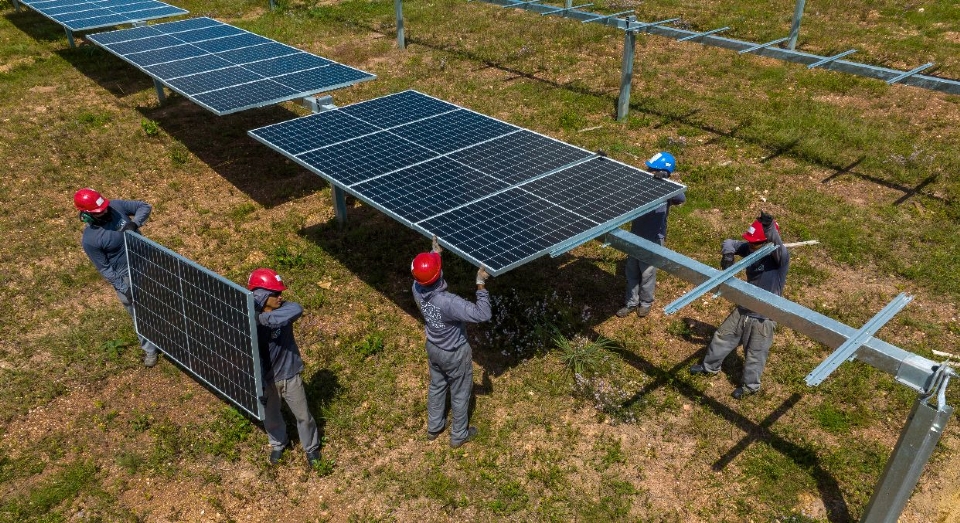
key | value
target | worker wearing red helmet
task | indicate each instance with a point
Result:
(103, 242)
(282, 365)
(743, 326)
(448, 353)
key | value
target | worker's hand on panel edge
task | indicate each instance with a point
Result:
(482, 276)
(436, 245)
(726, 261)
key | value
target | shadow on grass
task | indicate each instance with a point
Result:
(804, 457)
(37, 26)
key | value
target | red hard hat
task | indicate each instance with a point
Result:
(426, 267)
(88, 200)
(266, 279)
(755, 233)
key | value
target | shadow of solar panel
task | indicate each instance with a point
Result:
(212, 80)
(397, 109)
(365, 157)
(520, 156)
(454, 130)
(198, 319)
(428, 189)
(600, 189)
(506, 229)
(287, 64)
(312, 132)
(238, 97)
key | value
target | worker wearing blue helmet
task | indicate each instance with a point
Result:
(642, 277)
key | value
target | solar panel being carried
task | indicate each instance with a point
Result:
(199, 319)
(496, 194)
(224, 68)
(83, 15)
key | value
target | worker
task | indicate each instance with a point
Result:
(449, 355)
(743, 326)
(102, 240)
(282, 365)
(652, 226)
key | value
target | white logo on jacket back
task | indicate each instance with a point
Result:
(431, 314)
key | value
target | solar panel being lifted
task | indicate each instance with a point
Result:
(83, 15)
(224, 68)
(494, 193)
(199, 319)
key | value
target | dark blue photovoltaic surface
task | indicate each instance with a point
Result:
(429, 188)
(600, 189)
(448, 132)
(520, 156)
(398, 109)
(312, 132)
(80, 15)
(366, 157)
(507, 227)
(496, 194)
(224, 68)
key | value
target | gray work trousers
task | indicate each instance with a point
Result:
(291, 390)
(450, 371)
(754, 334)
(641, 282)
(148, 347)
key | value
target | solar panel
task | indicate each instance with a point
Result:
(197, 318)
(83, 15)
(494, 193)
(224, 68)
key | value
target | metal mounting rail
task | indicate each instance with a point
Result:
(713, 281)
(925, 424)
(854, 342)
(932, 83)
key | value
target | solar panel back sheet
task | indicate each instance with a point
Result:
(197, 318)
(496, 194)
(83, 15)
(224, 68)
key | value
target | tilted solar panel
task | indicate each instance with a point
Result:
(83, 15)
(224, 68)
(494, 193)
(197, 318)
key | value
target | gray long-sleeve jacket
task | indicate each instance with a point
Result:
(446, 314)
(653, 225)
(769, 273)
(279, 353)
(103, 241)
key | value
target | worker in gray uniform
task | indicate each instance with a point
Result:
(744, 327)
(102, 240)
(282, 365)
(448, 353)
(652, 226)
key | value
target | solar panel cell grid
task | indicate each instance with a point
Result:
(197, 319)
(493, 193)
(79, 15)
(245, 95)
(211, 80)
(197, 64)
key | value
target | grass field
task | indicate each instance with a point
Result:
(869, 170)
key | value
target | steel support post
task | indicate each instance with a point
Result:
(568, 4)
(70, 37)
(161, 96)
(626, 72)
(272, 5)
(795, 28)
(340, 205)
(16, 5)
(398, 7)
(920, 436)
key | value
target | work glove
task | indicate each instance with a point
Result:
(726, 261)
(727, 250)
(130, 226)
(482, 276)
(436, 245)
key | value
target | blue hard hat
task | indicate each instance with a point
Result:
(663, 161)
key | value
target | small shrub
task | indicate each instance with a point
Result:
(580, 355)
(114, 348)
(370, 345)
(324, 467)
(179, 154)
(150, 128)
(283, 257)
